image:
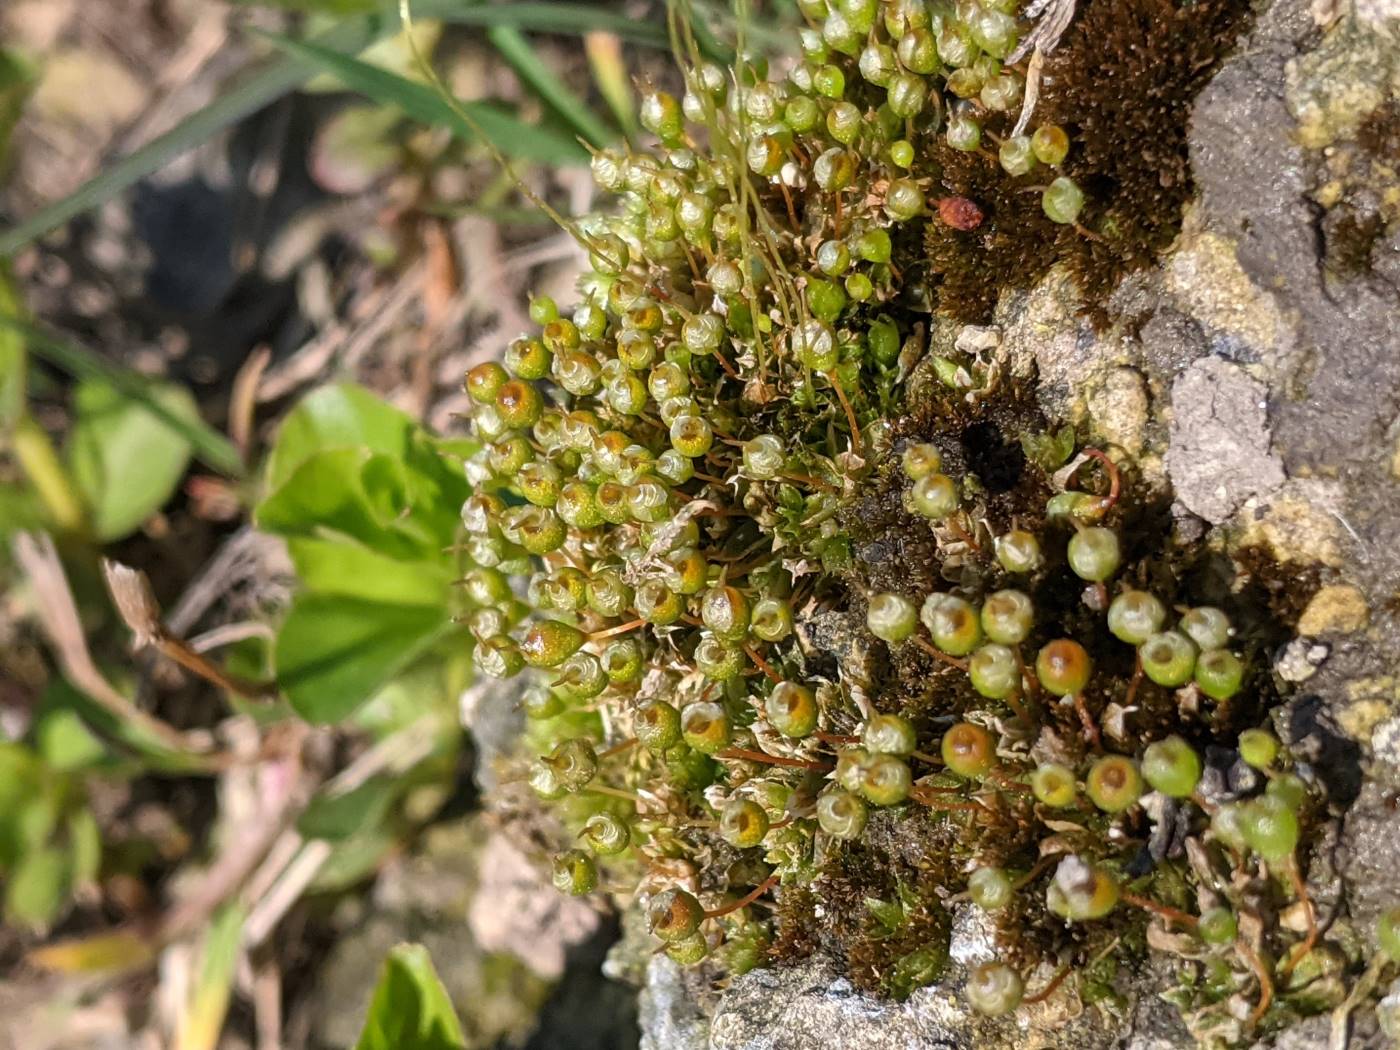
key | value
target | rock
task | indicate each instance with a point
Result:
(809, 1005)
(516, 910)
(1335, 609)
(670, 1012)
(1219, 454)
(1120, 410)
(1300, 660)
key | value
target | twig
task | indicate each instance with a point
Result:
(135, 602)
(58, 614)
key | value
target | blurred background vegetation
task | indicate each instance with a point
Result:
(247, 252)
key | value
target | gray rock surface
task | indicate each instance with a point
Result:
(810, 1005)
(1219, 455)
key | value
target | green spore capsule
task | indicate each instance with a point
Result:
(1168, 658)
(1207, 626)
(934, 496)
(1288, 788)
(580, 678)
(606, 834)
(764, 457)
(859, 287)
(1259, 748)
(726, 611)
(622, 661)
(1062, 201)
(878, 64)
(891, 617)
(574, 762)
(1016, 156)
(657, 604)
(841, 814)
(1219, 673)
(1217, 926)
(1094, 554)
(544, 782)
(994, 672)
(965, 134)
(1063, 667)
(1050, 144)
(539, 703)
(549, 643)
(657, 725)
(873, 246)
(919, 461)
(1018, 552)
(772, 619)
(1081, 891)
(885, 780)
(791, 709)
(1007, 616)
(1113, 783)
(902, 154)
(1172, 767)
(903, 200)
(573, 872)
(688, 950)
(849, 762)
(918, 51)
(743, 823)
(719, 661)
(968, 750)
(994, 989)
(1135, 616)
(907, 94)
(1270, 828)
(889, 735)
(1053, 784)
(953, 623)
(990, 888)
(499, 657)
(706, 727)
(674, 915)
(484, 381)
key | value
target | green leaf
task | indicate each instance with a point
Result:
(66, 742)
(329, 496)
(333, 653)
(329, 567)
(17, 79)
(511, 136)
(516, 50)
(124, 459)
(341, 415)
(211, 447)
(273, 80)
(37, 888)
(345, 463)
(203, 1017)
(410, 1009)
(338, 817)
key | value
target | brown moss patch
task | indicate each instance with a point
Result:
(1122, 83)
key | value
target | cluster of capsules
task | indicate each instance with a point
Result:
(658, 495)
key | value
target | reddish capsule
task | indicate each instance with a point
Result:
(960, 213)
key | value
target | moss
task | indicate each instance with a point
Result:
(1121, 83)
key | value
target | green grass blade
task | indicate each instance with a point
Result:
(604, 51)
(511, 136)
(276, 79)
(210, 447)
(265, 86)
(516, 50)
